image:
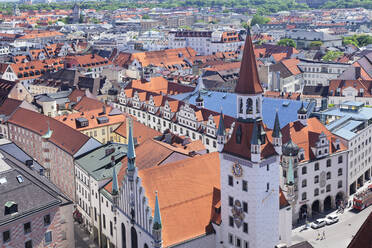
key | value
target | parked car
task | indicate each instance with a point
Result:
(331, 219)
(318, 223)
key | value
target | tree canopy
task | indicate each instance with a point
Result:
(287, 42)
(357, 40)
(332, 55)
(258, 19)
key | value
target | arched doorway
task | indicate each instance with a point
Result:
(339, 198)
(328, 203)
(134, 238)
(315, 207)
(303, 212)
(123, 236)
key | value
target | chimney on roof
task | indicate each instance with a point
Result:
(113, 159)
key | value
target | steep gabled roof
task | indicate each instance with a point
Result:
(249, 82)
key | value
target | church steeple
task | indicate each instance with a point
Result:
(249, 82)
(277, 135)
(248, 88)
(157, 227)
(131, 154)
(221, 134)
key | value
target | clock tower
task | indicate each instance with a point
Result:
(249, 169)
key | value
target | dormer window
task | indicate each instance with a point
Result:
(11, 207)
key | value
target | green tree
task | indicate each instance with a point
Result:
(316, 43)
(332, 55)
(287, 42)
(145, 17)
(185, 27)
(258, 19)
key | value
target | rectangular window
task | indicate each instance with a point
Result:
(231, 238)
(267, 167)
(231, 221)
(104, 221)
(28, 244)
(245, 186)
(6, 236)
(246, 244)
(245, 207)
(231, 201)
(267, 187)
(47, 220)
(238, 242)
(231, 181)
(48, 237)
(111, 231)
(245, 227)
(27, 227)
(95, 213)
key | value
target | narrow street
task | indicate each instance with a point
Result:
(82, 238)
(337, 235)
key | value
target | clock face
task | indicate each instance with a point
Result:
(237, 170)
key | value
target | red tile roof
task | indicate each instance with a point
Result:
(249, 82)
(63, 136)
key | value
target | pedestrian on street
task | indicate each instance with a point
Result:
(318, 236)
(323, 235)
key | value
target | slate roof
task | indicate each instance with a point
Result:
(315, 90)
(214, 100)
(28, 196)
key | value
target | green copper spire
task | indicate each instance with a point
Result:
(131, 152)
(276, 131)
(157, 217)
(115, 188)
(221, 126)
(290, 177)
(255, 140)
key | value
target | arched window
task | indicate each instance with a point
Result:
(340, 172)
(328, 188)
(304, 183)
(339, 184)
(284, 173)
(316, 192)
(145, 246)
(304, 196)
(328, 175)
(304, 170)
(134, 240)
(316, 179)
(240, 106)
(123, 236)
(257, 106)
(249, 106)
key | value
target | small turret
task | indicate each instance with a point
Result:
(131, 155)
(115, 187)
(302, 114)
(277, 135)
(157, 226)
(255, 144)
(199, 102)
(221, 134)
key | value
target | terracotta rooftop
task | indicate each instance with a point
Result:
(9, 106)
(249, 82)
(185, 191)
(63, 136)
(88, 104)
(305, 137)
(140, 132)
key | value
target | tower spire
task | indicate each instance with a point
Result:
(290, 177)
(157, 217)
(131, 154)
(277, 133)
(157, 227)
(248, 82)
(221, 133)
(115, 187)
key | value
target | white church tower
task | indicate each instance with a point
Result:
(249, 170)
